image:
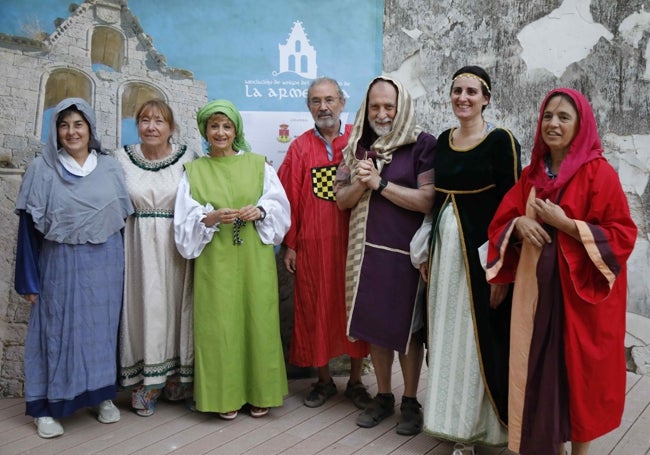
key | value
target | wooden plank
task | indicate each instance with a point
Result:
(637, 398)
(83, 434)
(12, 417)
(419, 444)
(10, 407)
(237, 439)
(218, 433)
(292, 429)
(9, 402)
(637, 438)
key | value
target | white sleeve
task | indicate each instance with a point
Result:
(419, 247)
(190, 234)
(275, 203)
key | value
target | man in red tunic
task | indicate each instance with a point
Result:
(316, 247)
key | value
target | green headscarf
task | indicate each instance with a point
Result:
(228, 109)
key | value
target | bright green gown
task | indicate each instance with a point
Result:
(238, 352)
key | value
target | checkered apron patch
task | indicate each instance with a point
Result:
(322, 182)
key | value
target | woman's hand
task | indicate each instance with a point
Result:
(554, 215)
(498, 292)
(529, 230)
(549, 212)
(224, 215)
(31, 298)
(424, 271)
(249, 213)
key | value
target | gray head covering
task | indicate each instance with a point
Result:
(51, 149)
(73, 209)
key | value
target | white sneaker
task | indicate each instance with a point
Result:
(107, 412)
(459, 449)
(47, 427)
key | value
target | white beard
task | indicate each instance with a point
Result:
(381, 130)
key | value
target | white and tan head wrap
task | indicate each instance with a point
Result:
(405, 131)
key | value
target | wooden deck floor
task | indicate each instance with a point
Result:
(290, 429)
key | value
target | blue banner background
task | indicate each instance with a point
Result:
(226, 44)
(235, 48)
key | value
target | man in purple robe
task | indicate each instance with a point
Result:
(387, 180)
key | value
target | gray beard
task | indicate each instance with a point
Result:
(381, 130)
(325, 123)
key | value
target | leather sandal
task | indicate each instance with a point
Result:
(411, 420)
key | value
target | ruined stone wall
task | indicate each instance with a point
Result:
(26, 66)
(600, 47)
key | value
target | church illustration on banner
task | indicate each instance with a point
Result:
(297, 55)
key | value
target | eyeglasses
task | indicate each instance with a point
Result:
(236, 227)
(318, 102)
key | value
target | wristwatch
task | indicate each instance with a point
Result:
(382, 184)
(262, 213)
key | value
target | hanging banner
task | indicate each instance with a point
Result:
(263, 56)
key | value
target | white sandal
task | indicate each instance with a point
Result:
(230, 415)
(459, 449)
(258, 412)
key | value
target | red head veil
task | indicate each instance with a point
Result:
(584, 147)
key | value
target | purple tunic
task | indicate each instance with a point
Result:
(385, 300)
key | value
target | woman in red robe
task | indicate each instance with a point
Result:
(565, 232)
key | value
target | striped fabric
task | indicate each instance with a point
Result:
(457, 406)
(405, 131)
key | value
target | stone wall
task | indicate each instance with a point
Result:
(600, 47)
(14, 313)
(28, 65)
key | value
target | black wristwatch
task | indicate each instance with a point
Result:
(262, 213)
(382, 184)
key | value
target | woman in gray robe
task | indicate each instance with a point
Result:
(70, 265)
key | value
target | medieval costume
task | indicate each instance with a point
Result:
(319, 235)
(238, 356)
(381, 284)
(567, 357)
(467, 392)
(156, 350)
(70, 253)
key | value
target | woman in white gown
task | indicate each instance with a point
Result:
(156, 349)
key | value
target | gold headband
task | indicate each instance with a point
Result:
(473, 76)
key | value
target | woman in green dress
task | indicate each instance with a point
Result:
(230, 211)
